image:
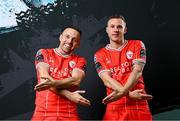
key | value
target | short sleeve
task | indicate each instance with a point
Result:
(140, 53)
(81, 64)
(100, 63)
(41, 57)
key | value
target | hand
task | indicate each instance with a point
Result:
(139, 95)
(115, 95)
(78, 99)
(46, 83)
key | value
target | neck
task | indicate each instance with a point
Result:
(117, 45)
(61, 51)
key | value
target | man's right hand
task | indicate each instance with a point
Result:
(138, 94)
(78, 99)
(115, 95)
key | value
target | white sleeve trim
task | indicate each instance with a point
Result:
(103, 71)
(138, 61)
(42, 63)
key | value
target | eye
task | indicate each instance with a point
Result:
(112, 26)
(119, 27)
(67, 36)
(74, 40)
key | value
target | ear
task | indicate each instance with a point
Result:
(78, 45)
(60, 37)
(106, 30)
(125, 30)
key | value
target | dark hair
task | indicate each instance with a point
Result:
(117, 16)
(75, 28)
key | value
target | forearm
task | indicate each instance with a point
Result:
(115, 85)
(110, 82)
(63, 92)
(67, 83)
(70, 82)
(73, 96)
(132, 80)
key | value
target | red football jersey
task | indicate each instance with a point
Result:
(119, 62)
(47, 102)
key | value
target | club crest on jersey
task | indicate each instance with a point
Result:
(129, 54)
(72, 64)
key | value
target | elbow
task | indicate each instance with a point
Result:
(76, 82)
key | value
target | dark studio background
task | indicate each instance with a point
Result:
(155, 22)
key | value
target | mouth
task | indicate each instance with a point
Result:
(115, 35)
(67, 46)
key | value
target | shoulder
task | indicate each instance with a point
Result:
(136, 43)
(45, 50)
(100, 51)
(79, 58)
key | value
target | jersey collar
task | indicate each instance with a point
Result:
(108, 47)
(60, 54)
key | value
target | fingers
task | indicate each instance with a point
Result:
(81, 91)
(42, 86)
(84, 102)
(108, 101)
(139, 91)
(44, 77)
(105, 100)
(77, 98)
(146, 97)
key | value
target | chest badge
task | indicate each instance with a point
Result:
(129, 54)
(72, 64)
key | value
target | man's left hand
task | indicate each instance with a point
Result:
(45, 84)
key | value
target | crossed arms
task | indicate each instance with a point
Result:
(60, 87)
(119, 90)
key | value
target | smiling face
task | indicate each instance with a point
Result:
(69, 40)
(116, 28)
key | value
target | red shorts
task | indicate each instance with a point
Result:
(53, 116)
(127, 114)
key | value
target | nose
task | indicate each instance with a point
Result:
(70, 40)
(116, 29)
